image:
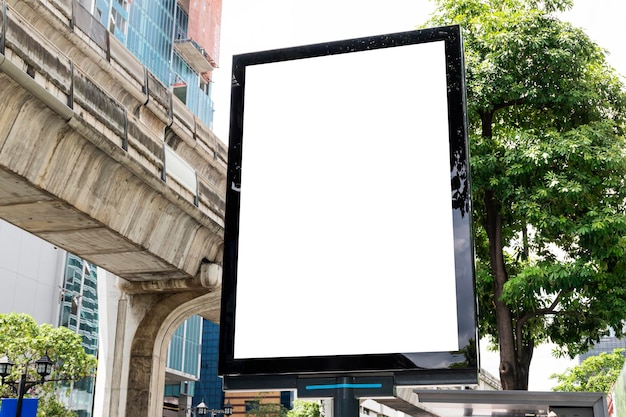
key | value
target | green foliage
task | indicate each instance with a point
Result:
(594, 374)
(300, 409)
(548, 162)
(303, 408)
(24, 342)
(261, 409)
(49, 406)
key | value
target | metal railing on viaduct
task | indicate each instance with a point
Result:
(98, 157)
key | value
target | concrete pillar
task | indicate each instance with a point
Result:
(150, 323)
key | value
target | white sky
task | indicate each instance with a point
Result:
(253, 25)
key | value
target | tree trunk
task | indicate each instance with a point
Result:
(515, 354)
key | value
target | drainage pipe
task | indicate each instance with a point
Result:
(35, 88)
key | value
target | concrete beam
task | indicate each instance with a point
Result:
(57, 184)
(84, 171)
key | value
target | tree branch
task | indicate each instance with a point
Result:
(536, 313)
(511, 103)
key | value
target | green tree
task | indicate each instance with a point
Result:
(303, 408)
(595, 374)
(258, 408)
(547, 147)
(49, 406)
(24, 342)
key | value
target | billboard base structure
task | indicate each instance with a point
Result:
(346, 391)
(460, 377)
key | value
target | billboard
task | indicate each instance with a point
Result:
(348, 244)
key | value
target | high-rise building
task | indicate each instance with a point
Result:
(78, 311)
(54, 287)
(178, 41)
(605, 344)
(30, 274)
(183, 365)
(209, 387)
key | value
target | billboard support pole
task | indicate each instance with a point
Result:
(345, 402)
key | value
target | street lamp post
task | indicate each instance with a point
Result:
(43, 367)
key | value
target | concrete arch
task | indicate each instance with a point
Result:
(146, 377)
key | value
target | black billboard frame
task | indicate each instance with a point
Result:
(420, 368)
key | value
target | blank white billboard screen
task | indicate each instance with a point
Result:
(346, 242)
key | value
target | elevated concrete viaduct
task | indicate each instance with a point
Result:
(98, 158)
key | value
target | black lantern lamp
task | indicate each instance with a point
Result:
(44, 366)
(5, 367)
(228, 409)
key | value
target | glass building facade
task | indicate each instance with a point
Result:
(79, 312)
(183, 354)
(149, 29)
(209, 388)
(183, 366)
(150, 35)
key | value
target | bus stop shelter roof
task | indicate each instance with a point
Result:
(476, 403)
